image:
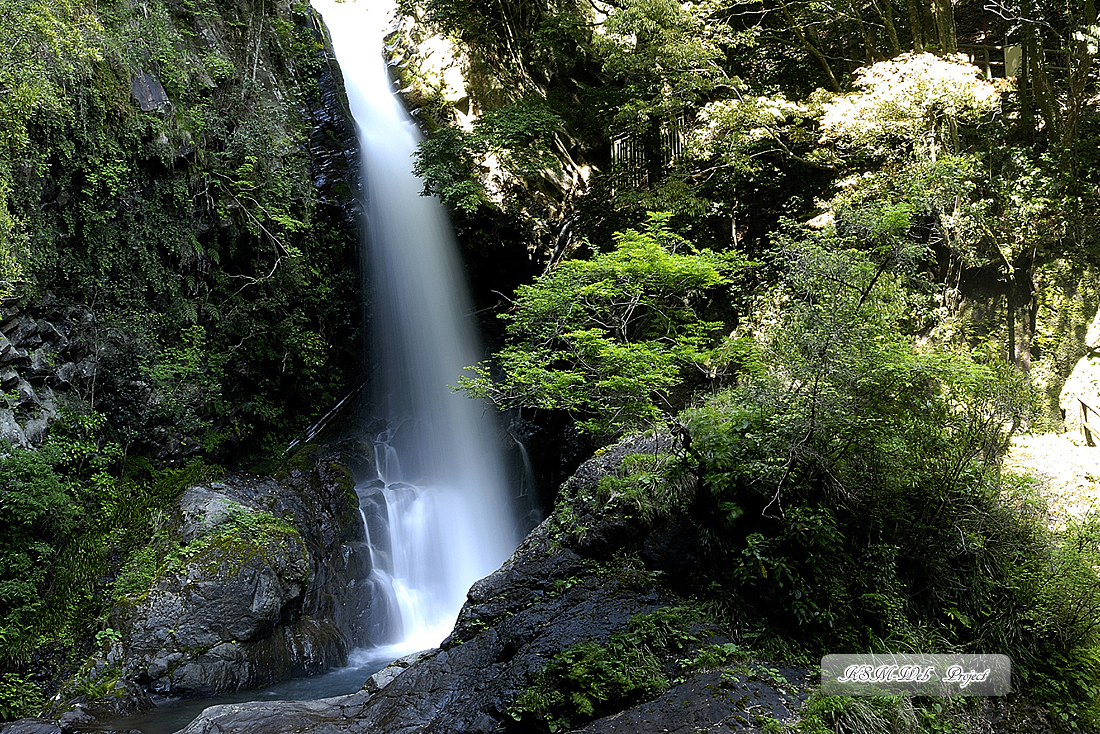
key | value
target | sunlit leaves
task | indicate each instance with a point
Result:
(913, 99)
(518, 138)
(607, 338)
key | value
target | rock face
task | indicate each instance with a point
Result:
(226, 614)
(557, 590)
(259, 583)
(64, 348)
(1084, 383)
(262, 588)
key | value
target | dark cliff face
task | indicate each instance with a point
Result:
(186, 224)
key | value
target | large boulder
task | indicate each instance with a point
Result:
(1082, 384)
(258, 581)
(227, 606)
(261, 587)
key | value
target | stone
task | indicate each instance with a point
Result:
(31, 726)
(1083, 383)
(204, 508)
(386, 675)
(9, 378)
(716, 700)
(7, 350)
(24, 333)
(252, 602)
(35, 428)
(148, 91)
(10, 429)
(234, 592)
(75, 720)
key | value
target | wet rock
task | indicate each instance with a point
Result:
(148, 91)
(31, 726)
(548, 597)
(542, 601)
(386, 675)
(75, 720)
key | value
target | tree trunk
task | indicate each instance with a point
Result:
(809, 46)
(873, 54)
(916, 26)
(1077, 97)
(1040, 84)
(945, 26)
(885, 11)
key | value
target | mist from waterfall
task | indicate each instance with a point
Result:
(438, 516)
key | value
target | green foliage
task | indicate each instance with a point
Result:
(19, 698)
(648, 484)
(664, 55)
(198, 222)
(37, 511)
(716, 656)
(606, 339)
(519, 137)
(876, 715)
(590, 680)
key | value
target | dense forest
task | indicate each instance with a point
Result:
(874, 259)
(835, 252)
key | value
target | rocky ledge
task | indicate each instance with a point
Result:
(587, 599)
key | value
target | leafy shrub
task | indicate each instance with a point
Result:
(607, 339)
(19, 698)
(36, 513)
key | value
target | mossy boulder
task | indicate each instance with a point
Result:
(254, 582)
(211, 604)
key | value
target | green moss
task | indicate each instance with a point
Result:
(242, 537)
(589, 680)
(304, 460)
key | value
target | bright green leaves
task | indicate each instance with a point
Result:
(607, 339)
(644, 289)
(519, 138)
(662, 53)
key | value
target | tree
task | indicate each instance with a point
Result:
(608, 339)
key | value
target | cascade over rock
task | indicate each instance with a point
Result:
(438, 515)
(561, 587)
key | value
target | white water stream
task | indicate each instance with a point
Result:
(439, 515)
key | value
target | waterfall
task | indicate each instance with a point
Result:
(438, 516)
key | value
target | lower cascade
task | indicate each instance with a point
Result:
(438, 515)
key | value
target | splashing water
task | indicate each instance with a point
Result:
(439, 516)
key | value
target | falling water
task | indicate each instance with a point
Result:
(438, 516)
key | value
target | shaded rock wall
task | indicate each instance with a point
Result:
(228, 226)
(259, 583)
